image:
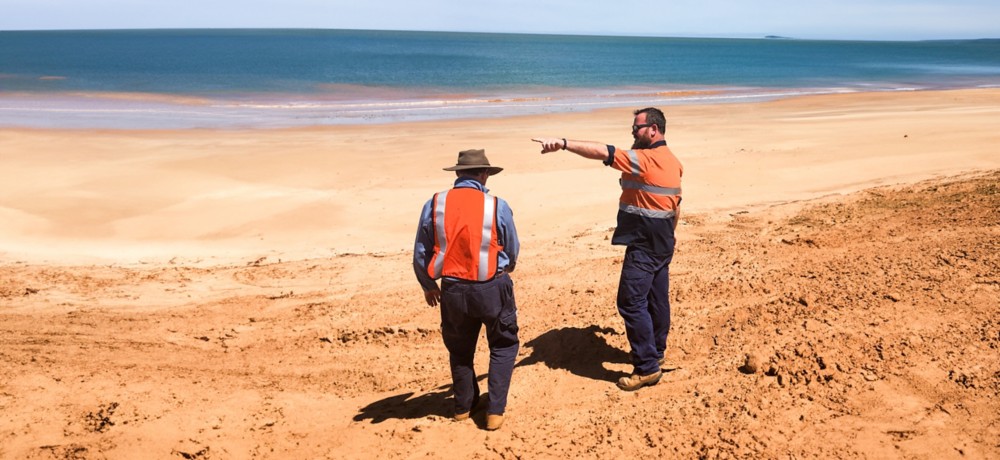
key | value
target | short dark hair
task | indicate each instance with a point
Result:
(654, 116)
(471, 172)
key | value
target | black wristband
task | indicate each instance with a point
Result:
(564, 144)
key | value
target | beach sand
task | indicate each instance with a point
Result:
(248, 293)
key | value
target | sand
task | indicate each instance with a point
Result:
(248, 294)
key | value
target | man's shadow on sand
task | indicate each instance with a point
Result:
(581, 351)
(437, 402)
(405, 406)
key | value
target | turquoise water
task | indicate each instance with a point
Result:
(235, 78)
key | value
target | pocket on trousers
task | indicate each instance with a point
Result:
(508, 312)
(508, 320)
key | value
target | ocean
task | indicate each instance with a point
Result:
(270, 78)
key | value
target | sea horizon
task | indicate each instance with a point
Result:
(274, 78)
(497, 32)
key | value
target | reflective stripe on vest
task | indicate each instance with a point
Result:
(488, 237)
(460, 256)
(441, 240)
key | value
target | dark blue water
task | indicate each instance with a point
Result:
(288, 77)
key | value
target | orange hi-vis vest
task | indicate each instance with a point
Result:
(465, 235)
(651, 182)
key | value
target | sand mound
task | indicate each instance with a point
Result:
(858, 326)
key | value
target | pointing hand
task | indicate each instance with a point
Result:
(551, 144)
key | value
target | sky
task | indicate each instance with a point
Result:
(809, 19)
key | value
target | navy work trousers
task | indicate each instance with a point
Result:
(644, 303)
(465, 308)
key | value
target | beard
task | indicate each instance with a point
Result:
(640, 143)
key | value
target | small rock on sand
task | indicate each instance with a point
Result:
(750, 364)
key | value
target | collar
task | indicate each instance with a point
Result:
(658, 144)
(467, 182)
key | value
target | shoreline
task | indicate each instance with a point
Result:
(217, 196)
(357, 105)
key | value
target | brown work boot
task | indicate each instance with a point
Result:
(636, 381)
(477, 404)
(667, 365)
(493, 421)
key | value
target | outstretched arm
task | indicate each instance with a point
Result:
(586, 149)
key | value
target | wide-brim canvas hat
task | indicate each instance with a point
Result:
(474, 159)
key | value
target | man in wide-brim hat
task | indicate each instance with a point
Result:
(467, 239)
(474, 159)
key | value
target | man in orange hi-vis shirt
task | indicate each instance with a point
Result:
(466, 238)
(648, 210)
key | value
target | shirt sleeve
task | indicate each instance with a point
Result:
(423, 246)
(611, 156)
(507, 233)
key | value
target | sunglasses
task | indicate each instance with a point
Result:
(636, 128)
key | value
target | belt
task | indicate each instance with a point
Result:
(500, 273)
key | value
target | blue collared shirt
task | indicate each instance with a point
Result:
(423, 248)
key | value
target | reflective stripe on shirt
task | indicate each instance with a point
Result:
(665, 191)
(645, 212)
(634, 160)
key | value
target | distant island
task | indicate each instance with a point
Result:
(778, 37)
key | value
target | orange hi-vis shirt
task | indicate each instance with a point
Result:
(650, 199)
(651, 181)
(465, 235)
